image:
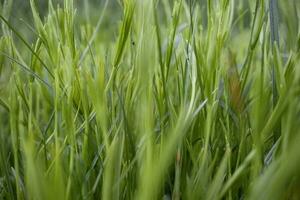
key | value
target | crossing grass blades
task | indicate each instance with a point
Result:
(183, 99)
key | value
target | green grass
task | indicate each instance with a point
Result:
(179, 99)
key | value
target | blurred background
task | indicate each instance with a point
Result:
(18, 12)
(88, 11)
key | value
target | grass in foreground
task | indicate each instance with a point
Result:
(188, 100)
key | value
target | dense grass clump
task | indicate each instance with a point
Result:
(154, 99)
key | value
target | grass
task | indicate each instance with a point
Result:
(186, 100)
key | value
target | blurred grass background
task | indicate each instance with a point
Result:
(89, 10)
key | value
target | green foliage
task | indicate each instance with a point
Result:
(180, 99)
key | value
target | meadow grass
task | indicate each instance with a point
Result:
(186, 100)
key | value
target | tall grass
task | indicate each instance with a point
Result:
(187, 100)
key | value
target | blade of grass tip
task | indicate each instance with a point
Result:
(273, 6)
(125, 30)
(100, 20)
(160, 54)
(170, 48)
(257, 24)
(158, 36)
(274, 21)
(26, 69)
(123, 36)
(274, 29)
(26, 44)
